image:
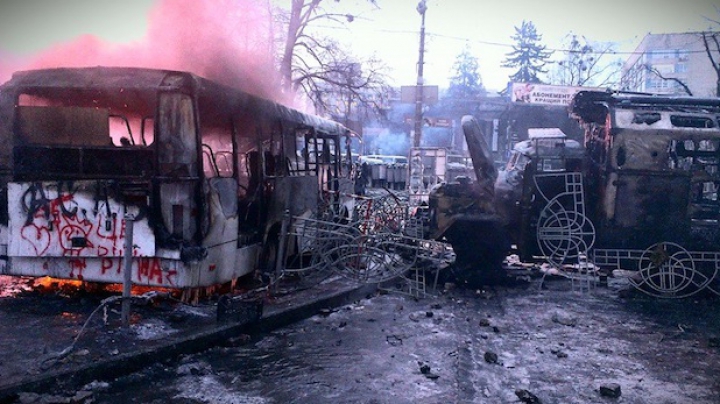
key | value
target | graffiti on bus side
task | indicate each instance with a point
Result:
(64, 224)
(145, 270)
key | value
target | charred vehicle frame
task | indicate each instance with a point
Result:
(641, 200)
(207, 174)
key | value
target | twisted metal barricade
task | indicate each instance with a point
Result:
(379, 241)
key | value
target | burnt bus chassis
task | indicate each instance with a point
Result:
(207, 175)
(646, 202)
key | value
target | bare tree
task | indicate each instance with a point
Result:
(320, 69)
(586, 64)
(711, 42)
(661, 76)
(343, 86)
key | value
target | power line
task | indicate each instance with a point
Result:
(508, 45)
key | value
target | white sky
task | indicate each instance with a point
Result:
(392, 31)
(449, 24)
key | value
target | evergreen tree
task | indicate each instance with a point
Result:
(528, 55)
(466, 83)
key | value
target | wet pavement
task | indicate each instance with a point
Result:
(55, 340)
(494, 345)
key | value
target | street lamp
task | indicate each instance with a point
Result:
(421, 8)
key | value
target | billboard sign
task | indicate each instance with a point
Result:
(544, 94)
(408, 94)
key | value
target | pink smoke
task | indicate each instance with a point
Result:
(228, 41)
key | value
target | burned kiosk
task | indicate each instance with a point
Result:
(642, 197)
(205, 172)
(651, 179)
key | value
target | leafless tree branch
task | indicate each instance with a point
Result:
(708, 38)
(673, 79)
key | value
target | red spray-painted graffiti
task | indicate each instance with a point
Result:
(149, 270)
(78, 265)
(51, 226)
(146, 270)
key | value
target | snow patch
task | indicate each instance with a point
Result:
(197, 311)
(152, 329)
(208, 389)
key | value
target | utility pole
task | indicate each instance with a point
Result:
(421, 8)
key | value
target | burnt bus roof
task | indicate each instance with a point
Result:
(147, 82)
(592, 106)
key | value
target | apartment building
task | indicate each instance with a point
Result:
(661, 60)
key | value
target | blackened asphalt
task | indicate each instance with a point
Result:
(50, 341)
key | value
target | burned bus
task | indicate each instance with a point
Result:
(205, 173)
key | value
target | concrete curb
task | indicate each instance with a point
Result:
(123, 364)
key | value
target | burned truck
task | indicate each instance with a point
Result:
(529, 180)
(464, 213)
(205, 172)
(639, 199)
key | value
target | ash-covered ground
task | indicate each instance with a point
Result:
(523, 344)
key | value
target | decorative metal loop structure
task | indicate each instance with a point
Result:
(564, 233)
(566, 236)
(665, 269)
(669, 270)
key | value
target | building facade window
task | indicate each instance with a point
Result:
(683, 58)
(662, 54)
(657, 85)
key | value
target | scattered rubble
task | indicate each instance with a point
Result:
(527, 397)
(394, 340)
(491, 357)
(425, 370)
(610, 390)
(544, 334)
(564, 319)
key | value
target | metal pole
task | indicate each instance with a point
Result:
(421, 8)
(127, 272)
(280, 256)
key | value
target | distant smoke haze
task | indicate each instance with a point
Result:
(228, 41)
(437, 137)
(384, 141)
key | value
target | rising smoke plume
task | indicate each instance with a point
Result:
(228, 41)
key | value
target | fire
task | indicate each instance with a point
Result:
(48, 283)
(137, 290)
